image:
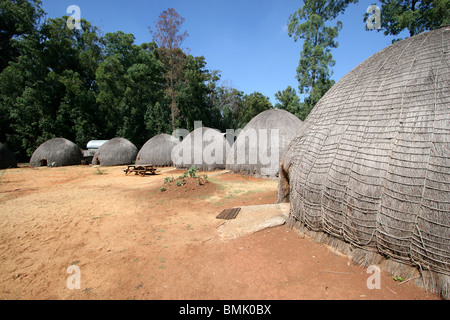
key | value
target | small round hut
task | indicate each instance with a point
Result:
(7, 159)
(115, 152)
(56, 152)
(205, 148)
(157, 151)
(262, 143)
(369, 171)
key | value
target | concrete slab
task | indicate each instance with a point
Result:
(254, 218)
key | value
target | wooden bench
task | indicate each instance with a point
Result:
(140, 169)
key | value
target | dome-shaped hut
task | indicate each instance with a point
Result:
(7, 159)
(205, 148)
(56, 152)
(370, 167)
(115, 152)
(157, 151)
(262, 143)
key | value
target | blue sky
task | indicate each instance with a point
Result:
(246, 40)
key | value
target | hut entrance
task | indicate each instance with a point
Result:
(283, 187)
(43, 162)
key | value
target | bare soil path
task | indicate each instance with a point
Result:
(132, 241)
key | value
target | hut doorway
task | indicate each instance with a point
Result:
(283, 187)
(43, 162)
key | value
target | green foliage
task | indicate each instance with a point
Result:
(252, 105)
(82, 85)
(311, 23)
(414, 16)
(192, 171)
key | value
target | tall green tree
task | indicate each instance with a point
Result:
(18, 19)
(413, 16)
(289, 101)
(312, 24)
(50, 89)
(130, 92)
(168, 37)
(252, 105)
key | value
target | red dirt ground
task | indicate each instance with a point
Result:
(133, 241)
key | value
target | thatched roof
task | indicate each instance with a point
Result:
(204, 148)
(56, 152)
(115, 152)
(262, 143)
(157, 151)
(371, 164)
(7, 159)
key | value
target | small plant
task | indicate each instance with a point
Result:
(205, 176)
(162, 189)
(168, 180)
(1, 174)
(397, 278)
(180, 183)
(192, 171)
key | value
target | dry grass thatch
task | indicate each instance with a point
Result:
(247, 152)
(157, 151)
(56, 152)
(115, 152)
(370, 166)
(7, 159)
(204, 148)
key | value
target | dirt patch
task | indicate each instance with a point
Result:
(132, 241)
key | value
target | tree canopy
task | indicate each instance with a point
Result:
(413, 16)
(82, 85)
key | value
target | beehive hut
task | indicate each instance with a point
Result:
(369, 171)
(157, 151)
(7, 159)
(262, 142)
(56, 152)
(205, 148)
(115, 152)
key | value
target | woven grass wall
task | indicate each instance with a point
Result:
(370, 167)
(247, 152)
(115, 152)
(157, 151)
(205, 148)
(55, 153)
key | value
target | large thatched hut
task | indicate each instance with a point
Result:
(262, 142)
(369, 171)
(56, 152)
(205, 148)
(7, 159)
(157, 151)
(115, 152)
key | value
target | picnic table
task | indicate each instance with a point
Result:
(140, 169)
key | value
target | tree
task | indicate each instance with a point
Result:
(130, 92)
(288, 100)
(168, 38)
(316, 61)
(252, 105)
(18, 19)
(415, 16)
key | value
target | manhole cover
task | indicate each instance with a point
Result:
(228, 213)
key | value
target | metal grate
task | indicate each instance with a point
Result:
(228, 213)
